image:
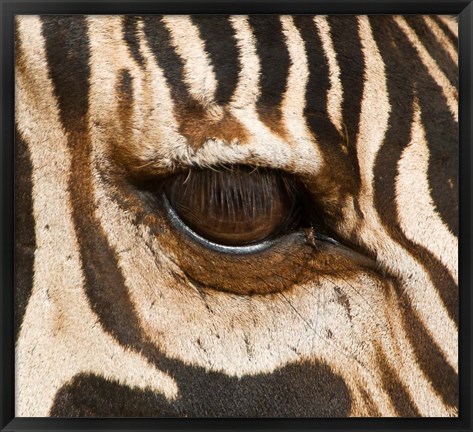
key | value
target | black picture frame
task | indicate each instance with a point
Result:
(8, 10)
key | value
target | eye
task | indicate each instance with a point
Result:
(235, 206)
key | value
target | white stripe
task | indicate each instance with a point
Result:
(264, 144)
(103, 33)
(418, 216)
(158, 143)
(335, 92)
(247, 90)
(448, 90)
(375, 110)
(59, 337)
(417, 284)
(442, 39)
(160, 138)
(450, 22)
(294, 100)
(199, 73)
(374, 118)
(372, 128)
(401, 355)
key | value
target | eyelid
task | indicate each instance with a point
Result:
(233, 250)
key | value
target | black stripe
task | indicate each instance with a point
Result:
(317, 89)
(434, 48)
(25, 236)
(340, 169)
(274, 61)
(430, 358)
(399, 394)
(67, 44)
(220, 43)
(448, 33)
(443, 140)
(124, 89)
(347, 45)
(442, 136)
(441, 277)
(393, 46)
(305, 389)
(398, 134)
(159, 40)
(394, 49)
(370, 404)
(104, 283)
(440, 128)
(130, 29)
(318, 83)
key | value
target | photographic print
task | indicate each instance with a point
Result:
(246, 216)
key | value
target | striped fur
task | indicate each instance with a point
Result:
(119, 314)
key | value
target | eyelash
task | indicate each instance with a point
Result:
(222, 249)
(238, 193)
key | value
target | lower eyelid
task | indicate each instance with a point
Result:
(266, 268)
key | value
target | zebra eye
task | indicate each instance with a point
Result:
(234, 206)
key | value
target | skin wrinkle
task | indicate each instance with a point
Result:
(363, 325)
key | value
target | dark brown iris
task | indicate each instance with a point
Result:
(233, 206)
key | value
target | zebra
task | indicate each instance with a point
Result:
(236, 216)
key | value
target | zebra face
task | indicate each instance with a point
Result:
(237, 216)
